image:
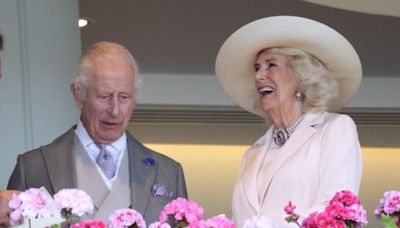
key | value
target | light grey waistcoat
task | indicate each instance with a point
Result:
(89, 180)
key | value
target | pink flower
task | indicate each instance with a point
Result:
(15, 217)
(289, 209)
(389, 205)
(33, 203)
(125, 218)
(89, 224)
(76, 201)
(347, 198)
(344, 210)
(182, 210)
(159, 225)
(219, 222)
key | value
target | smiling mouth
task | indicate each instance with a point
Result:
(266, 90)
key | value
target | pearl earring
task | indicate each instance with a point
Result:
(299, 96)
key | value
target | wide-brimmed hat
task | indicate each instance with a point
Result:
(235, 60)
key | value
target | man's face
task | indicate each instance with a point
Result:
(109, 102)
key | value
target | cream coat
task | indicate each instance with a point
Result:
(322, 156)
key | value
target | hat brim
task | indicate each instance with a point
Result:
(235, 60)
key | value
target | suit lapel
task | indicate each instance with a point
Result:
(290, 148)
(254, 159)
(60, 163)
(142, 175)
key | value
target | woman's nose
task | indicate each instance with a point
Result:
(260, 75)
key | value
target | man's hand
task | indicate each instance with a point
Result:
(5, 197)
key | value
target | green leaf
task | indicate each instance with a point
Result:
(388, 221)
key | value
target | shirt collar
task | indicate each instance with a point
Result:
(87, 141)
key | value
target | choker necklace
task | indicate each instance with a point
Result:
(282, 135)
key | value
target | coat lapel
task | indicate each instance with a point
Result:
(290, 148)
(60, 162)
(254, 159)
(142, 174)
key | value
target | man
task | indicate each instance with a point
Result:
(98, 155)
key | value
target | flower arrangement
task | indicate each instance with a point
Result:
(186, 213)
(388, 209)
(89, 224)
(344, 210)
(257, 222)
(126, 218)
(33, 203)
(72, 204)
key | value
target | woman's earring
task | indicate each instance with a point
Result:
(299, 96)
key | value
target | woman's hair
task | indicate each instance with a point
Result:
(314, 81)
(99, 53)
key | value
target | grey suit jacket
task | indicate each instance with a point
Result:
(52, 166)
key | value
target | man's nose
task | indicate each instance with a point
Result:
(114, 106)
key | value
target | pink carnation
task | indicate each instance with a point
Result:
(219, 222)
(125, 218)
(32, 203)
(347, 198)
(344, 210)
(289, 208)
(389, 205)
(76, 201)
(89, 224)
(159, 225)
(182, 209)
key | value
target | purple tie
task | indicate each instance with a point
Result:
(105, 161)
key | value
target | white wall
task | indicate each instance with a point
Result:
(375, 92)
(42, 47)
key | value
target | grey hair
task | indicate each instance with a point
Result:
(104, 52)
(314, 80)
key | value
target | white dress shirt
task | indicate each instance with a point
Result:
(116, 150)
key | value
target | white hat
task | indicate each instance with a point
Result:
(235, 60)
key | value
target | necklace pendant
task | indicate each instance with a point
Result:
(280, 137)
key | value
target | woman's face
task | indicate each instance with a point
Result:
(274, 82)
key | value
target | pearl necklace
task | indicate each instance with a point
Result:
(282, 135)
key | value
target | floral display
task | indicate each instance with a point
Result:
(89, 224)
(388, 209)
(126, 218)
(33, 204)
(344, 210)
(159, 225)
(75, 201)
(257, 222)
(219, 221)
(73, 204)
(183, 211)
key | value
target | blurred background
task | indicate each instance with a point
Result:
(182, 111)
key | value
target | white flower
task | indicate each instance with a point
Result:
(75, 200)
(257, 222)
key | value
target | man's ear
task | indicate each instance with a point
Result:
(77, 99)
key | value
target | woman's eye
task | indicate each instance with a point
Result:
(256, 67)
(271, 65)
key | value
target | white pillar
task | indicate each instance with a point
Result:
(42, 47)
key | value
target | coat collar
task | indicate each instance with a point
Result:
(142, 173)
(60, 163)
(257, 153)
(59, 159)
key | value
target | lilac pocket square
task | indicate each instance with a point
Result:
(160, 190)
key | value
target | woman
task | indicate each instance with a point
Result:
(293, 72)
